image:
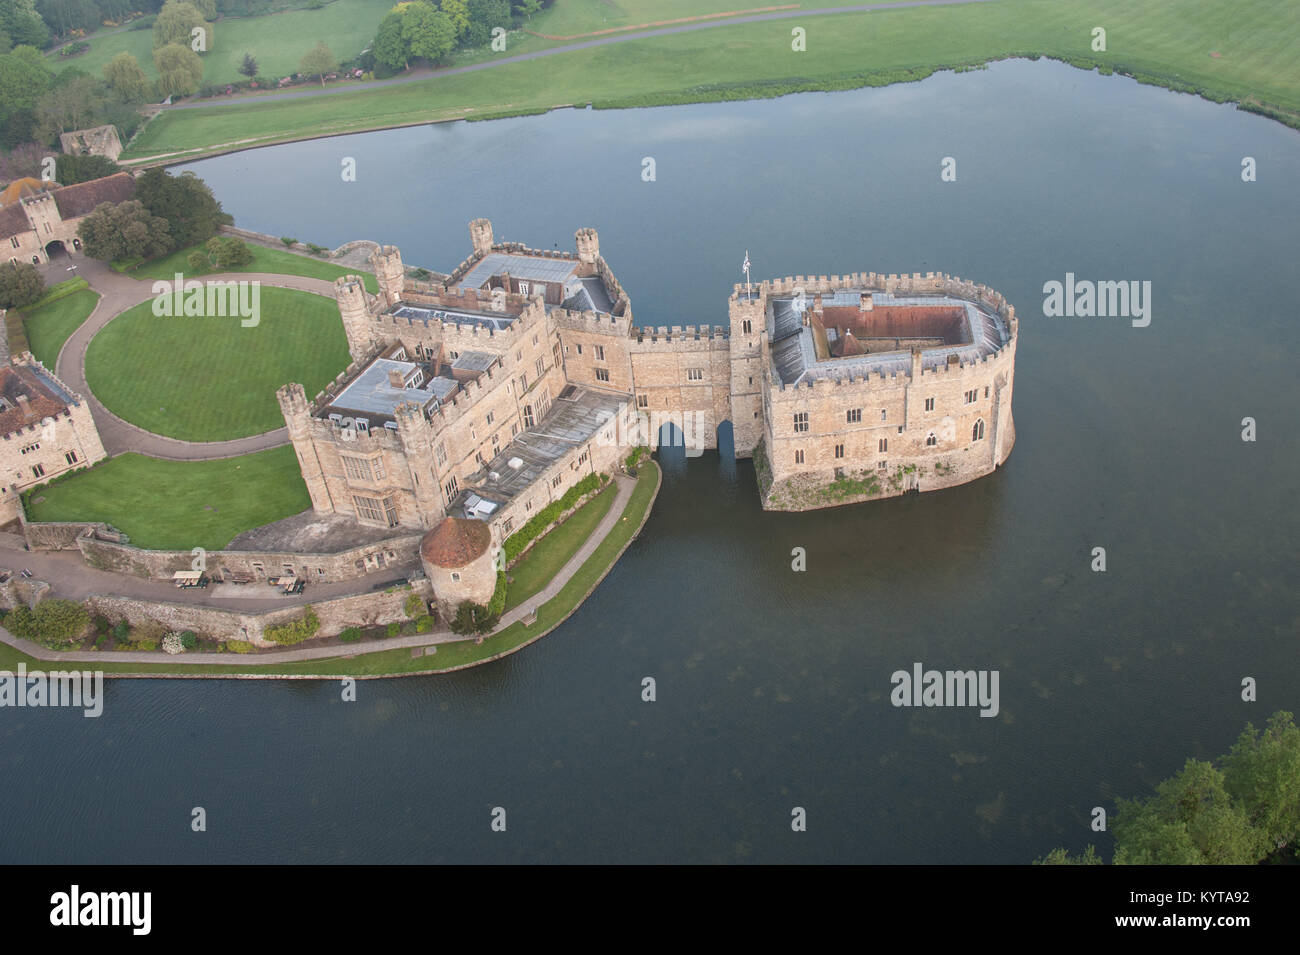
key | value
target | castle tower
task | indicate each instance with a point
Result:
(748, 341)
(387, 263)
(588, 245)
(297, 416)
(417, 442)
(480, 233)
(350, 293)
(458, 558)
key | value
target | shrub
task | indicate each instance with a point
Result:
(189, 639)
(239, 646)
(58, 623)
(172, 644)
(315, 249)
(393, 629)
(350, 635)
(144, 23)
(20, 284)
(540, 522)
(288, 240)
(498, 602)
(101, 623)
(423, 624)
(414, 605)
(21, 622)
(295, 631)
(72, 49)
(121, 630)
(101, 641)
(635, 457)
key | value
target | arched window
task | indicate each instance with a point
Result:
(931, 440)
(977, 432)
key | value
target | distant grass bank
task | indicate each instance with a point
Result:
(212, 378)
(1166, 42)
(450, 656)
(277, 261)
(177, 505)
(44, 326)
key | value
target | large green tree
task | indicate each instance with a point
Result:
(1262, 772)
(74, 169)
(192, 212)
(20, 284)
(428, 31)
(318, 61)
(22, 24)
(457, 12)
(24, 78)
(126, 79)
(72, 103)
(180, 71)
(177, 22)
(123, 230)
(390, 47)
(484, 17)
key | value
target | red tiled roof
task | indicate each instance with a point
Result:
(78, 200)
(455, 542)
(41, 403)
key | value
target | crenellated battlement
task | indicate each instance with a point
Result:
(680, 338)
(597, 323)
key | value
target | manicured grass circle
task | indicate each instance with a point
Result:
(210, 378)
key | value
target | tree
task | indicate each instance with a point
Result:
(220, 254)
(192, 212)
(248, 66)
(24, 77)
(390, 47)
(206, 7)
(124, 230)
(73, 169)
(177, 22)
(1262, 772)
(457, 11)
(318, 61)
(1191, 820)
(64, 16)
(22, 24)
(20, 284)
(527, 7)
(59, 622)
(126, 79)
(70, 104)
(26, 159)
(180, 71)
(428, 32)
(484, 17)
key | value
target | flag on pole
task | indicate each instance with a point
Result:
(745, 268)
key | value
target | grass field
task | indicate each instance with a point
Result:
(42, 328)
(278, 261)
(210, 378)
(449, 655)
(177, 505)
(277, 41)
(1164, 41)
(546, 557)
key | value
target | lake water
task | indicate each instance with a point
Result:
(773, 686)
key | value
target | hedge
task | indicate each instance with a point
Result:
(540, 522)
(296, 631)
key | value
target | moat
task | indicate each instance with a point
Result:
(773, 686)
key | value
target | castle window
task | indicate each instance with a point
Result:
(495, 441)
(694, 374)
(508, 523)
(27, 449)
(528, 416)
(523, 288)
(883, 444)
(579, 348)
(643, 401)
(455, 577)
(14, 241)
(900, 429)
(514, 429)
(453, 355)
(442, 454)
(881, 465)
(478, 456)
(798, 457)
(602, 374)
(839, 450)
(747, 326)
(356, 469)
(38, 471)
(541, 367)
(523, 383)
(377, 465)
(931, 440)
(854, 415)
(450, 487)
(801, 421)
(986, 391)
(971, 396)
(490, 417)
(884, 415)
(929, 404)
(977, 432)
(368, 509)
(555, 481)
(600, 353)
(534, 339)
(751, 379)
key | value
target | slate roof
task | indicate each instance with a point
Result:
(78, 200)
(13, 221)
(526, 267)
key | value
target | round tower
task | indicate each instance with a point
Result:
(458, 560)
(350, 293)
(588, 245)
(387, 263)
(480, 233)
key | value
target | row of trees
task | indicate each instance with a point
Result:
(1244, 811)
(168, 213)
(430, 31)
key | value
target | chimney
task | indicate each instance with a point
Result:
(817, 302)
(916, 365)
(396, 378)
(24, 404)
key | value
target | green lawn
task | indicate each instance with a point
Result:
(277, 41)
(48, 326)
(178, 505)
(278, 261)
(536, 568)
(1165, 41)
(209, 378)
(449, 655)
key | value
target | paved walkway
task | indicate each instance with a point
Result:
(126, 585)
(118, 293)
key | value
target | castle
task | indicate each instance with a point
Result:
(486, 393)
